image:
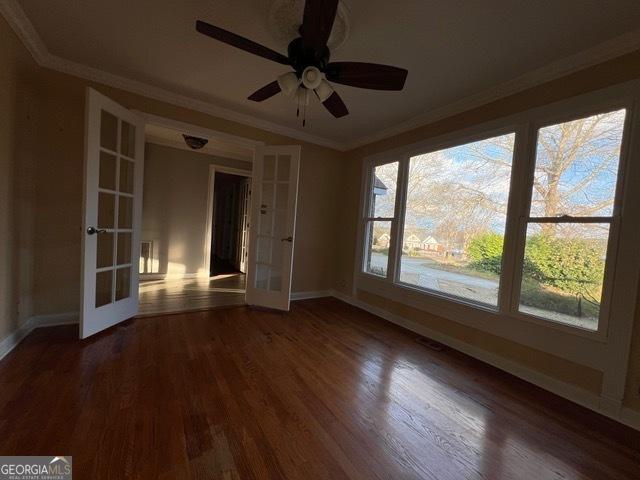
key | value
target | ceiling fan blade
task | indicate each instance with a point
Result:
(265, 92)
(317, 22)
(367, 75)
(240, 42)
(335, 105)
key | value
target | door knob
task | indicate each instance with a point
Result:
(288, 239)
(94, 230)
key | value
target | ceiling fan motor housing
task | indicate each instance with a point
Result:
(309, 55)
(302, 57)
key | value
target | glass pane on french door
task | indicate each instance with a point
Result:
(272, 237)
(115, 210)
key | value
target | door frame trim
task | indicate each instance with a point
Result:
(208, 236)
(198, 131)
(210, 134)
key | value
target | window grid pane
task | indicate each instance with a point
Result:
(383, 190)
(576, 167)
(575, 180)
(377, 252)
(563, 272)
(455, 219)
(381, 215)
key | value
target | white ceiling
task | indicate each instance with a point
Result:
(453, 49)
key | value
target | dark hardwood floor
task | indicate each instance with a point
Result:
(326, 391)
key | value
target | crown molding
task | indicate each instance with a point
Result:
(608, 50)
(22, 26)
(602, 52)
(63, 65)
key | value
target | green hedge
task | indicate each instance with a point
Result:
(574, 266)
(485, 252)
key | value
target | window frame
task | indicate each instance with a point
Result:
(403, 157)
(475, 137)
(367, 218)
(525, 126)
(150, 242)
(524, 218)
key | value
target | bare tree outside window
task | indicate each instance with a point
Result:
(575, 178)
(576, 167)
(454, 196)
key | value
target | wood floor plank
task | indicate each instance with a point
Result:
(325, 391)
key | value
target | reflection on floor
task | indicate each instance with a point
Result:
(170, 296)
(325, 391)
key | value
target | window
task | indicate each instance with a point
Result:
(454, 221)
(444, 221)
(570, 219)
(146, 257)
(380, 217)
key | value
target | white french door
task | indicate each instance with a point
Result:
(273, 220)
(114, 161)
(245, 208)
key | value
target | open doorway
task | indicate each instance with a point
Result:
(230, 224)
(195, 224)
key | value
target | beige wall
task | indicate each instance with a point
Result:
(615, 71)
(174, 209)
(17, 137)
(59, 190)
(632, 393)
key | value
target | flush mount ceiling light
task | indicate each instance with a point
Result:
(309, 55)
(196, 143)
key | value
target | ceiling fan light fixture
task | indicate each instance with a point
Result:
(324, 90)
(288, 83)
(311, 77)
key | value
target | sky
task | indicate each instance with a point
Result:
(449, 182)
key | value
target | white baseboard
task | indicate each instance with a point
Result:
(14, 338)
(308, 295)
(55, 319)
(630, 417)
(570, 392)
(170, 276)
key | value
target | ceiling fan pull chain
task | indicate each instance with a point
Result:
(304, 112)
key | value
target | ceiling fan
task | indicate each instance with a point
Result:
(309, 56)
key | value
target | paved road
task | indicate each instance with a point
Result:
(417, 272)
